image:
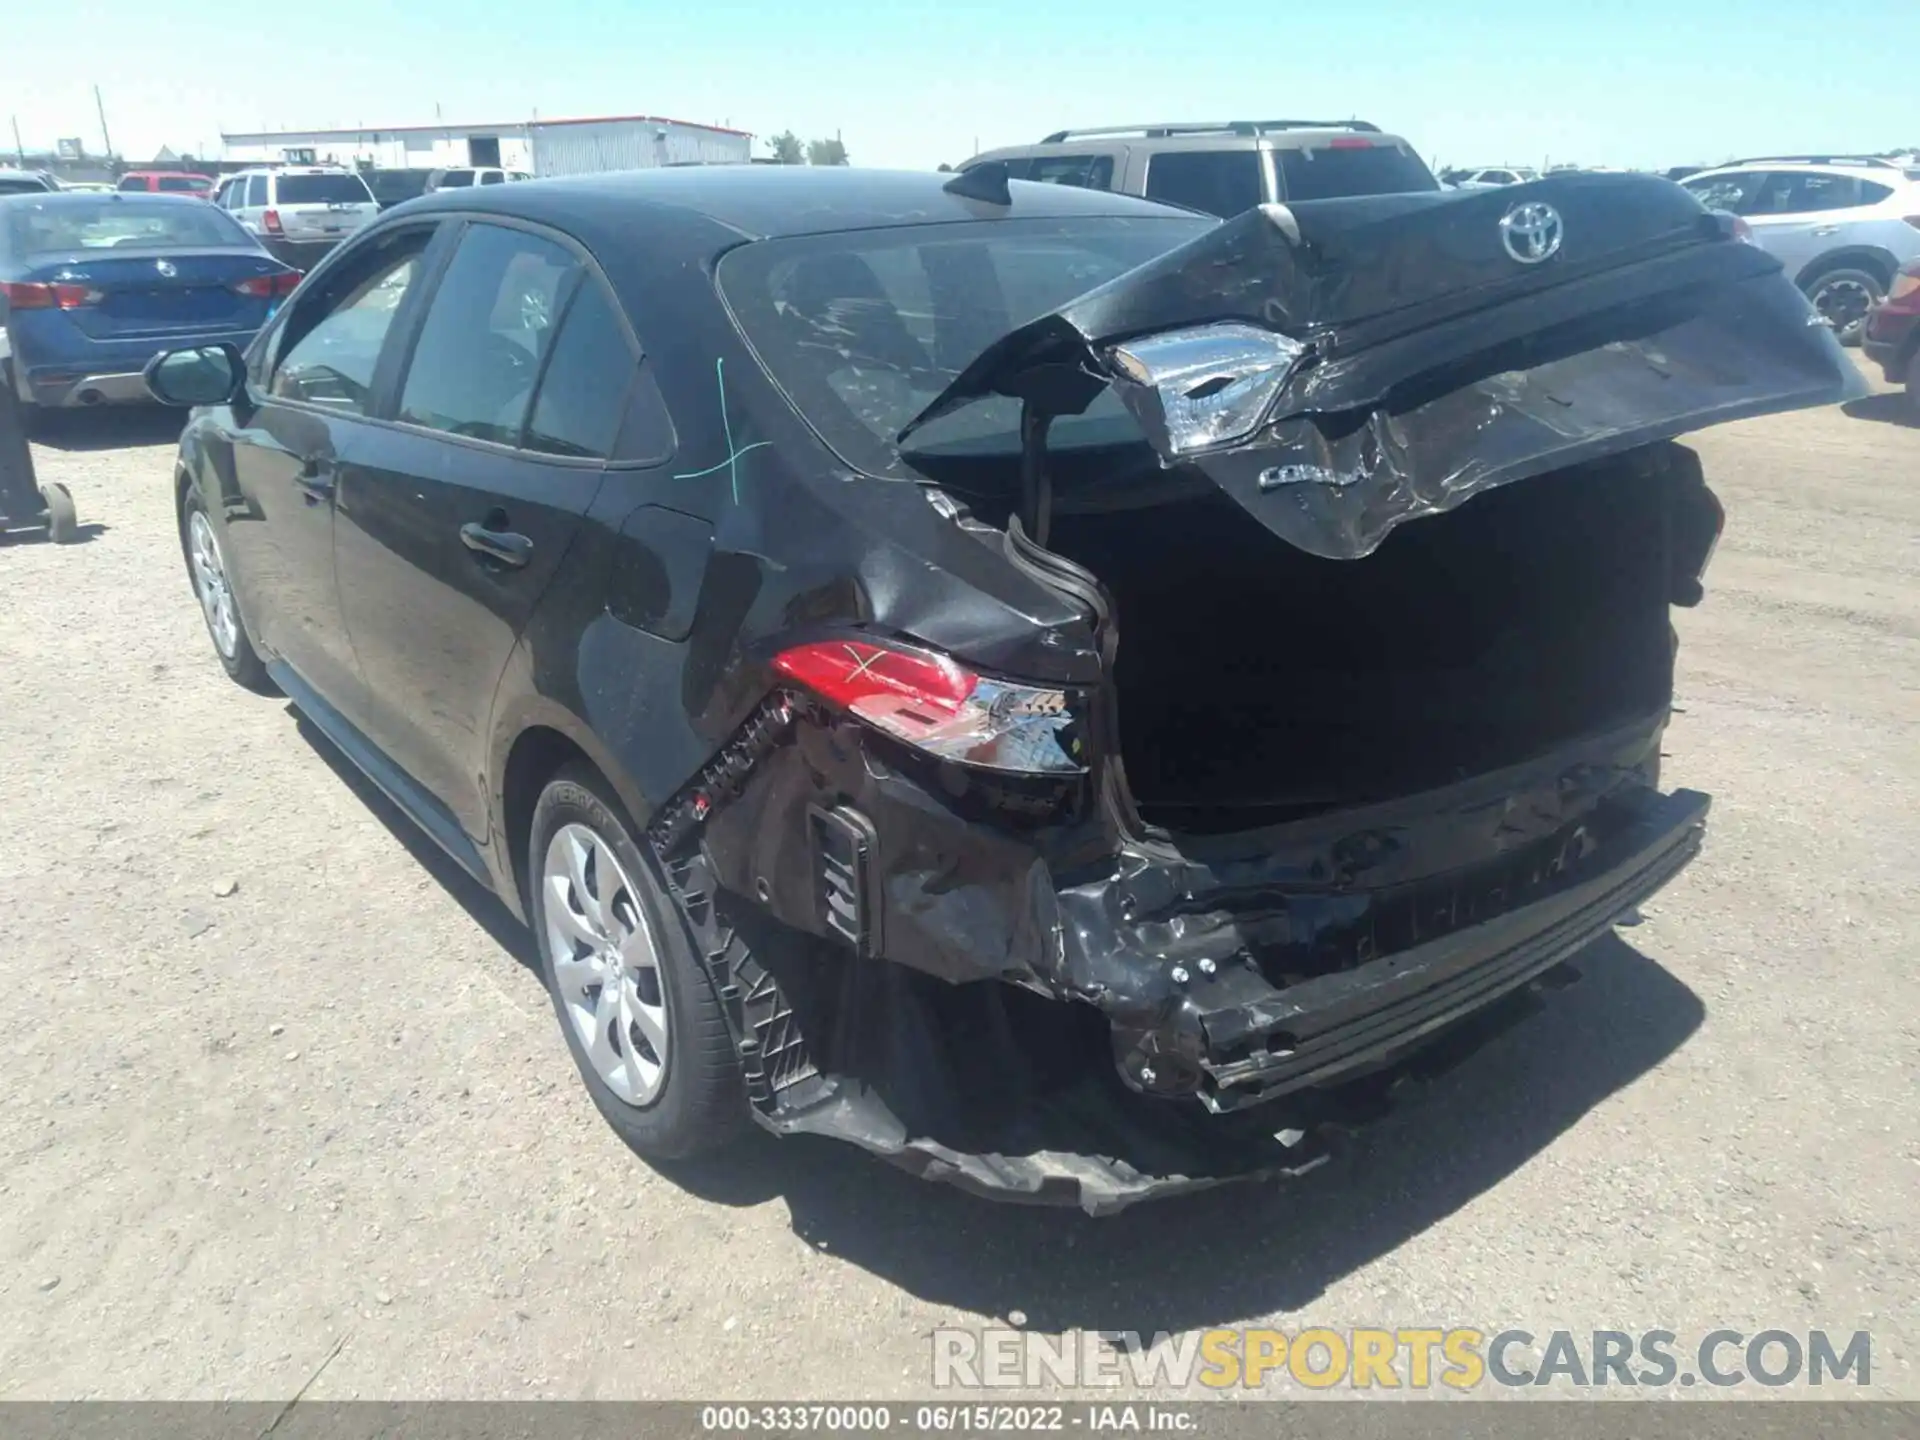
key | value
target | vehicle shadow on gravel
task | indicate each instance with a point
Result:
(476, 899)
(1216, 1257)
(109, 428)
(1892, 408)
(1246, 1250)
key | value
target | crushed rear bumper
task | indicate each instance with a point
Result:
(1179, 1023)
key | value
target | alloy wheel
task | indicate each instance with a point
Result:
(210, 584)
(605, 964)
(1843, 304)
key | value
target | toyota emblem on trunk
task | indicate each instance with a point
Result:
(1531, 232)
(165, 267)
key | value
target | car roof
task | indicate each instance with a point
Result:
(757, 202)
(116, 197)
(1878, 170)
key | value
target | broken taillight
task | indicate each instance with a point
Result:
(937, 705)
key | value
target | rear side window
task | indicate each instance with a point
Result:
(1790, 192)
(584, 390)
(24, 186)
(1220, 182)
(492, 177)
(456, 178)
(322, 190)
(256, 190)
(1090, 172)
(1357, 167)
(131, 182)
(479, 351)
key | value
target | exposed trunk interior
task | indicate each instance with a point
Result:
(1257, 683)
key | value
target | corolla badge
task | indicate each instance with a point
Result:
(1532, 232)
(166, 268)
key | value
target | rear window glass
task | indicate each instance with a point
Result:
(192, 184)
(392, 186)
(321, 190)
(1324, 172)
(74, 223)
(864, 331)
(1220, 182)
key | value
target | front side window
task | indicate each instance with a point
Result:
(1220, 182)
(331, 346)
(479, 352)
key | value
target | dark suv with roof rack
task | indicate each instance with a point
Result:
(1223, 167)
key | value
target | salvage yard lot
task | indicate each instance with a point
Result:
(282, 1085)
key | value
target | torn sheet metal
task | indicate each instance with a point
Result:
(1411, 360)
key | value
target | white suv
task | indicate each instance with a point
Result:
(1842, 226)
(298, 211)
(462, 175)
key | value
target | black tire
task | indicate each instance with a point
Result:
(1913, 388)
(244, 666)
(701, 1105)
(1845, 296)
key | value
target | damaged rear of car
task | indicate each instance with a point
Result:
(1289, 685)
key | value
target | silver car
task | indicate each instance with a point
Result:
(1223, 167)
(1841, 225)
(299, 212)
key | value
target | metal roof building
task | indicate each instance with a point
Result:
(539, 147)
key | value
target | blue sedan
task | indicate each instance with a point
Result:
(92, 287)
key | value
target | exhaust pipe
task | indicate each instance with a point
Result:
(91, 397)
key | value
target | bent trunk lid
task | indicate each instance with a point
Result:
(1341, 366)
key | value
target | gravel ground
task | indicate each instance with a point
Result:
(283, 1087)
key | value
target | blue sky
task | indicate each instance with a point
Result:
(911, 83)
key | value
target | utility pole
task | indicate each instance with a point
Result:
(18, 148)
(101, 106)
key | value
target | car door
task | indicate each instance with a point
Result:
(1803, 214)
(310, 389)
(495, 451)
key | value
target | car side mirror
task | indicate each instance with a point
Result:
(203, 375)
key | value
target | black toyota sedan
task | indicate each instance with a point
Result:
(1070, 695)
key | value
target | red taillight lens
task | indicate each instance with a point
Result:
(34, 295)
(937, 705)
(892, 688)
(267, 287)
(1350, 142)
(270, 221)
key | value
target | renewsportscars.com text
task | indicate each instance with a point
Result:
(1458, 1358)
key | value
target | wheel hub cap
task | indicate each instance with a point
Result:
(605, 964)
(210, 584)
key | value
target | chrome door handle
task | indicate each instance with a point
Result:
(503, 546)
